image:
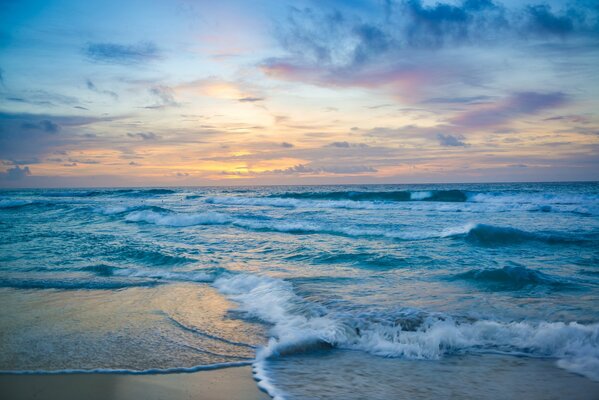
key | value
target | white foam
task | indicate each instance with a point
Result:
(298, 325)
(420, 195)
(114, 209)
(191, 276)
(299, 203)
(178, 219)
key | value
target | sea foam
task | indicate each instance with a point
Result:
(300, 326)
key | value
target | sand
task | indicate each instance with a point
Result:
(222, 384)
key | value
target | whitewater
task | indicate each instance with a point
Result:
(361, 291)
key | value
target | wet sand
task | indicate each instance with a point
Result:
(222, 384)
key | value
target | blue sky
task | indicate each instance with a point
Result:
(297, 92)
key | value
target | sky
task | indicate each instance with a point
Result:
(182, 92)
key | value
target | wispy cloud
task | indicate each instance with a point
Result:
(165, 97)
(517, 104)
(92, 86)
(251, 99)
(122, 53)
(144, 135)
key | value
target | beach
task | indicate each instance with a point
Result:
(221, 384)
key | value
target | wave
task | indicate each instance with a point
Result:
(178, 219)
(301, 326)
(203, 276)
(490, 235)
(436, 200)
(389, 196)
(269, 225)
(179, 276)
(511, 277)
(14, 203)
(147, 192)
(296, 203)
(147, 256)
(153, 371)
(72, 284)
(481, 234)
(123, 208)
(360, 259)
(109, 192)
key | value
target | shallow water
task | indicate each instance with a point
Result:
(297, 278)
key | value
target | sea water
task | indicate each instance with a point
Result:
(365, 291)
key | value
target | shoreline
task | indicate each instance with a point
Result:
(209, 384)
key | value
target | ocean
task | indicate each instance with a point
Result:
(361, 291)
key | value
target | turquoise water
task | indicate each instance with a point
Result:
(290, 279)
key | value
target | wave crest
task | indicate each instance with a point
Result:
(511, 277)
(298, 325)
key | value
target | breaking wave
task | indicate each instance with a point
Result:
(301, 326)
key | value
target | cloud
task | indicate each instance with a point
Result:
(287, 145)
(45, 125)
(409, 45)
(517, 104)
(346, 145)
(451, 140)
(457, 100)
(543, 20)
(144, 135)
(28, 136)
(123, 53)
(91, 86)
(16, 173)
(251, 99)
(43, 98)
(165, 97)
(308, 169)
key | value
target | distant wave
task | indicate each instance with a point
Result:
(178, 219)
(446, 200)
(511, 277)
(123, 208)
(301, 326)
(108, 192)
(490, 235)
(296, 203)
(403, 195)
(482, 234)
(365, 259)
(269, 225)
(7, 203)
